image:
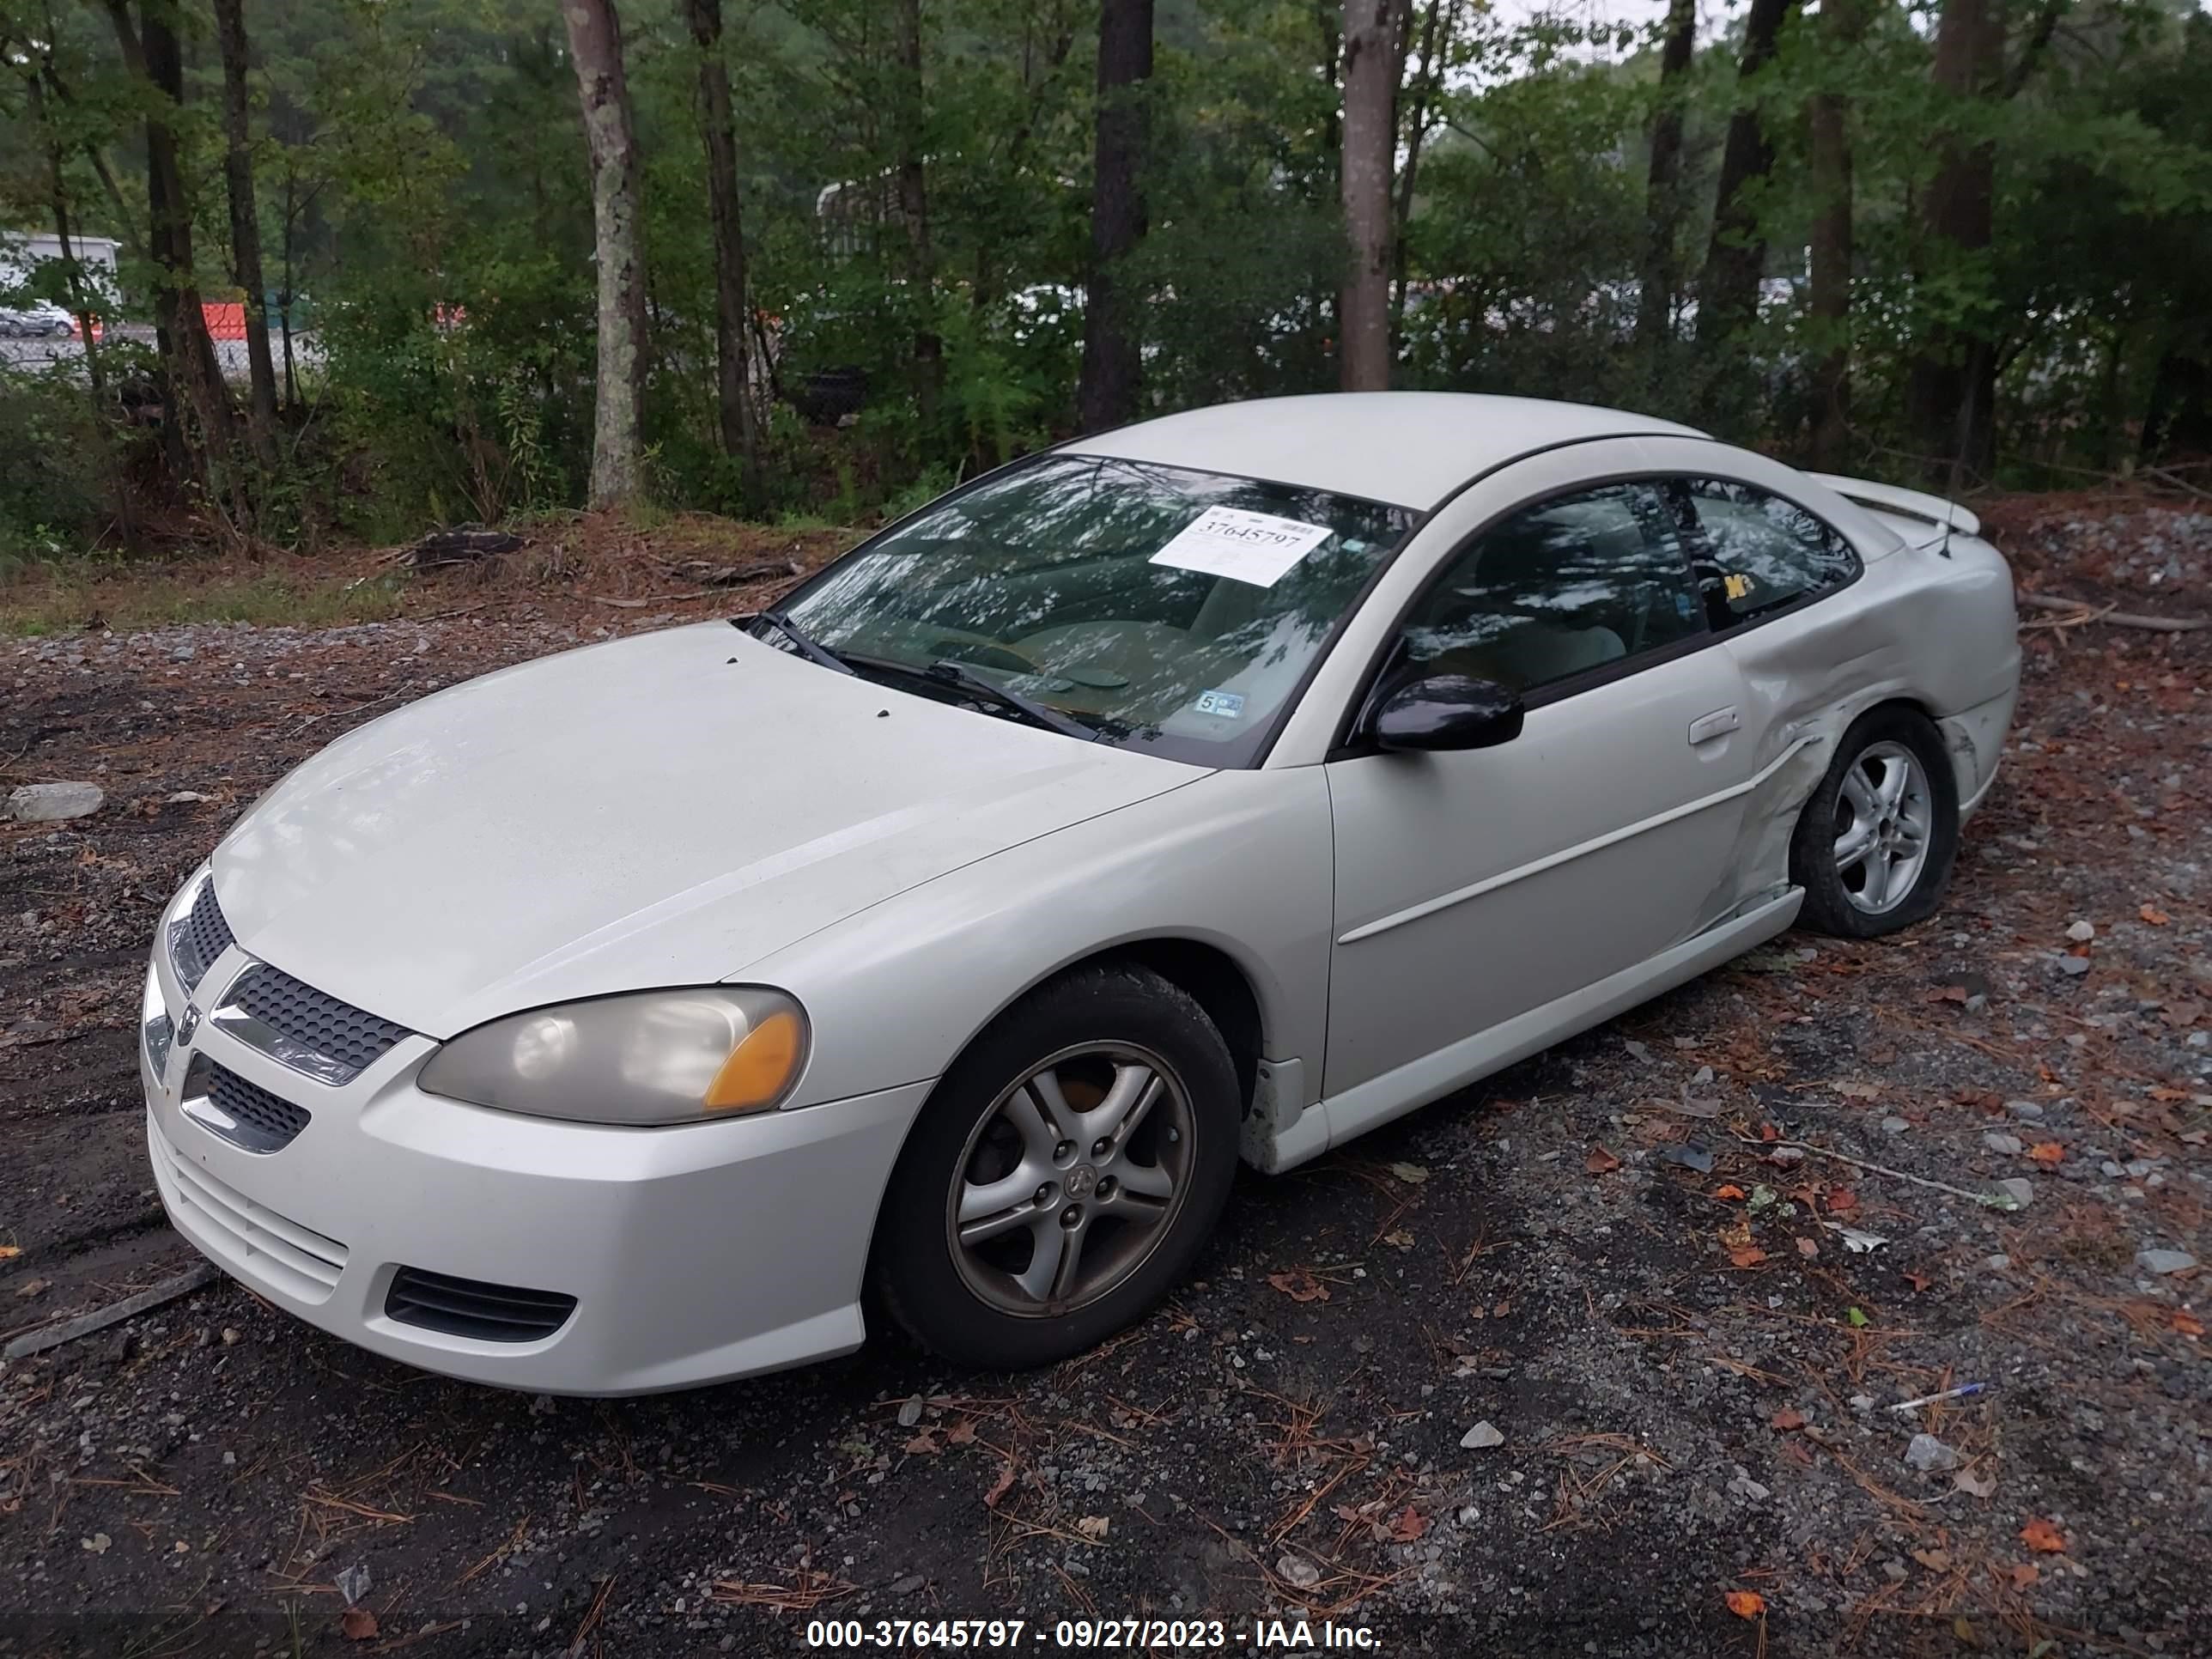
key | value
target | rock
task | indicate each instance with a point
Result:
(2029, 1111)
(2007, 1144)
(1998, 1263)
(52, 803)
(2081, 933)
(2165, 1261)
(2073, 967)
(1296, 1569)
(1690, 1157)
(910, 1412)
(2020, 1189)
(1894, 1126)
(1745, 1487)
(184, 797)
(1927, 1453)
(1483, 1435)
(910, 1585)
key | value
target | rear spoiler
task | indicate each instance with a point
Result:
(1910, 503)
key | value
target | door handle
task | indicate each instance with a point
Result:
(1718, 724)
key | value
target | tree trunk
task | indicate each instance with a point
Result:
(150, 53)
(1844, 24)
(914, 209)
(1372, 55)
(1954, 379)
(1663, 190)
(1112, 364)
(1437, 26)
(732, 381)
(1728, 290)
(617, 442)
(245, 229)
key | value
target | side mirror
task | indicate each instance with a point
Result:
(1446, 712)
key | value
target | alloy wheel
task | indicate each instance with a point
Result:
(1884, 823)
(1070, 1180)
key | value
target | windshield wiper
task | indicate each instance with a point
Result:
(991, 691)
(807, 645)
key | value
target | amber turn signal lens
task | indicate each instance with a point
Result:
(760, 1068)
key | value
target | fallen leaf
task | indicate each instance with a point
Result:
(2185, 1322)
(1737, 1233)
(1600, 1161)
(1973, 1485)
(1963, 1628)
(10, 1252)
(2153, 915)
(1001, 1486)
(1299, 1286)
(1730, 1191)
(1400, 1240)
(1795, 1451)
(1786, 1420)
(1856, 1318)
(1409, 1525)
(923, 1445)
(1412, 1173)
(1858, 1090)
(1919, 1281)
(1093, 1527)
(1841, 1200)
(358, 1623)
(2047, 1151)
(962, 1433)
(1948, 993)
(2026, 1574)
(1502, 1310)
(1748, 1256)
(1745, 1604)
(1809, 1249)
(1933, 1560)
(2042, 1535)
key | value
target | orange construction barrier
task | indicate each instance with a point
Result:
(224, 321)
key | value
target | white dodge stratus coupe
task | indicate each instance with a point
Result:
(1225, 786)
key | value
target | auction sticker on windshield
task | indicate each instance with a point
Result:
(1247, 547)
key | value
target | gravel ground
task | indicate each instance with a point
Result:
(1585, 1360)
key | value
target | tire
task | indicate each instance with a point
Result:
(1100, 1039)
(1882, 890)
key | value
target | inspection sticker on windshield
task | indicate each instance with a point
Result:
(1247, 547)
(1229, 705)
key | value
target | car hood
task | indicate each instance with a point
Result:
(658, 810)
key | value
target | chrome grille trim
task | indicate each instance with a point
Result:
(301, 1260)
(244, 1114)
(312, 1032)
(198, 935)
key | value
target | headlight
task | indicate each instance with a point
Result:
(649, 1057)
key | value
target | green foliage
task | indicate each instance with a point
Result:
(425, 210)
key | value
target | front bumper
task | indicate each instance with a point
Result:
(695, 1253)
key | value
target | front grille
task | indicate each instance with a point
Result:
(470, 1307)
(298, 1259)
(244, 1114)
(198, 937)
(314, 1032)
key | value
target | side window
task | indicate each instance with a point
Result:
(1758, 552)
(1560, 589)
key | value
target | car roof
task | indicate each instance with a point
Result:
(1406, 448)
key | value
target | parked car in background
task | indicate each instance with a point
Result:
(39, 320)
(1222, 786)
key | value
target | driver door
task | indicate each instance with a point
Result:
(1474, 886)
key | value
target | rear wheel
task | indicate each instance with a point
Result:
(1875, 846)
(1065, 1173)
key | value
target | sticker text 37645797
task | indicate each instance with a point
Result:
(1247, 547)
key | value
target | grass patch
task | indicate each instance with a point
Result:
(63, 604)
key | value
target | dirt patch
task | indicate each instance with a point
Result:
(1689, 1369)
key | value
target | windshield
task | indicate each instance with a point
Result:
(1164, 608)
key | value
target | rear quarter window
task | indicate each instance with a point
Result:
(1758, 553)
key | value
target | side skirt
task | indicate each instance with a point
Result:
(1332, 1121)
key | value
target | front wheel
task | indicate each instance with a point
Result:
(1065, 1174)
(1874, 847)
